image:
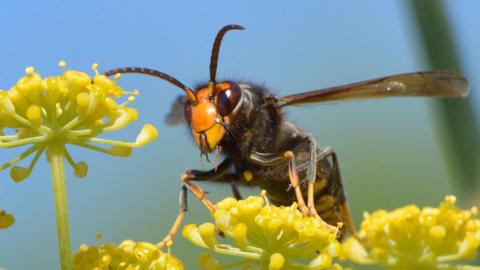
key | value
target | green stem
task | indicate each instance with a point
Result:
(56, 158)
(460, 131)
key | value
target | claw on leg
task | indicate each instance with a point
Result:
(197, 192)
(347, 216)
(168, 240)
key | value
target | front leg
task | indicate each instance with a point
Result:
(211, 175)
(218, 175)
(187, 178)
(168, 240)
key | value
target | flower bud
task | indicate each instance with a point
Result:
(19, 174)
(34, 114)
(207, 231)
(6, 105)
(81, 169)
(6, 220)
(147, 135)
(276, 261)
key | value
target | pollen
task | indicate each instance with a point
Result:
(95, 67)
(62, 64)
(29, 70)
(248, 176)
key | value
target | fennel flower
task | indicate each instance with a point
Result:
(414, 238)
(265, 237)
(73, 108)
(129, 255)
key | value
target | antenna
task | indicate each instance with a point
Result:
(155, 73)
(215, 52)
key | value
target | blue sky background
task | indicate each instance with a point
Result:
(389, 149)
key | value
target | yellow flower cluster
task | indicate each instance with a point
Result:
(265, 237)
(413, 238)
(6, 219)
(72, 108)
(129, 255)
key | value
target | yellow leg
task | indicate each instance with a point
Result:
(197, 192)
(292, 173)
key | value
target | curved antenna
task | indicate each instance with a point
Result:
(155, 73)
(215, 52)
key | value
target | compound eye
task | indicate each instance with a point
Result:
(228, 99)
(187, 111)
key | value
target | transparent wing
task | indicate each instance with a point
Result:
(176, 117)
(426, 84)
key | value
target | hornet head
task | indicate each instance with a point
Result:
(209, 115)
(208, 109)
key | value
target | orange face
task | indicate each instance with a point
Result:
(206, 116)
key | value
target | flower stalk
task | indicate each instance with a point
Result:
(56, 155)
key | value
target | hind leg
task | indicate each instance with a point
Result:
(334, 194)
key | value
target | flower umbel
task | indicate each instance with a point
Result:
(6, 219)
(72, 108)
(128, 255)
(413, 238)
(265, 237)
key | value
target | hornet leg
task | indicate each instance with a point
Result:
(337, 190)
(235, 190)
(312, 175)
(219, 175)
(168, 240)
(187, 179)
(270, 159)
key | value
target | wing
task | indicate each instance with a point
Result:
(175, 117)
(425, 84)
